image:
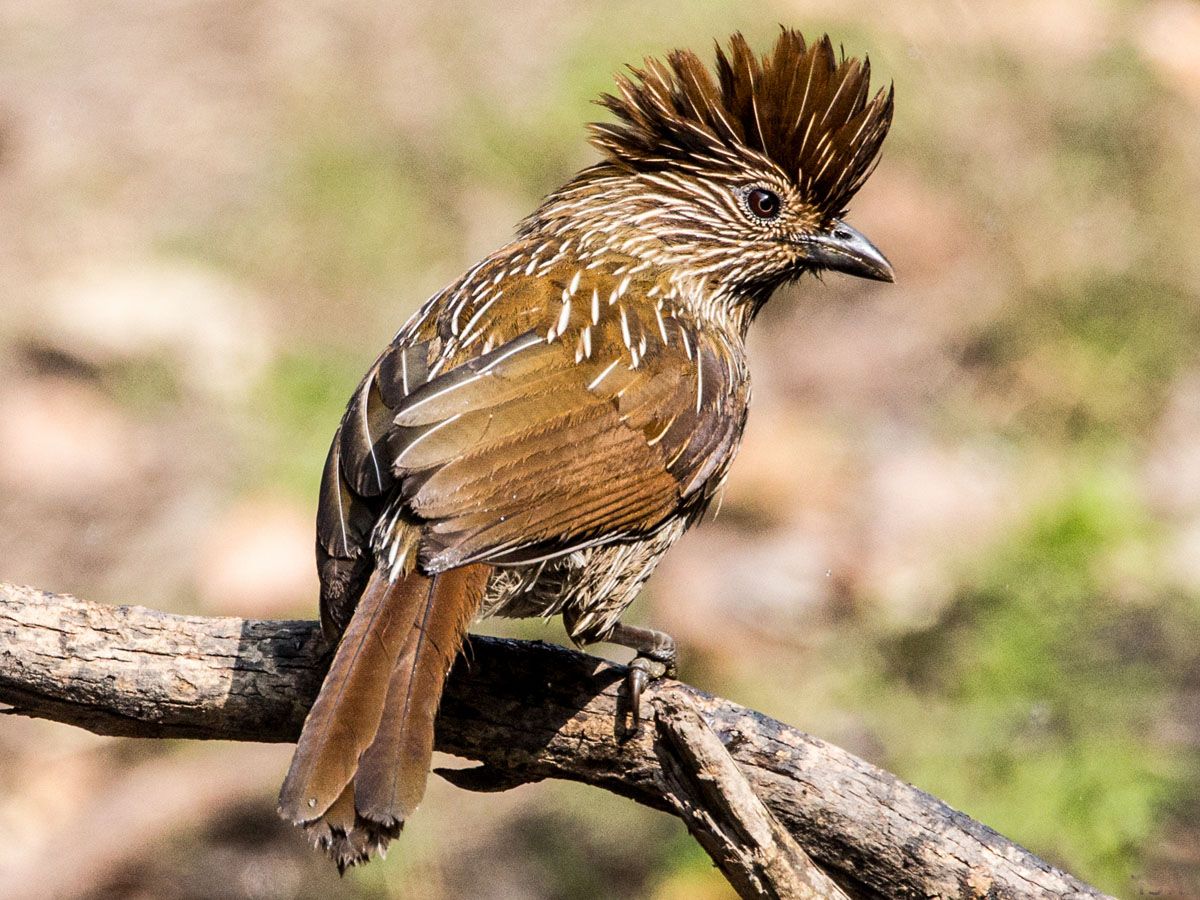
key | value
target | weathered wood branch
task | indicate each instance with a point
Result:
(524, 711)
(712, 796)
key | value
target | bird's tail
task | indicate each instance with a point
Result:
(363, 756)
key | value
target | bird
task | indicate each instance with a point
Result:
(543, 429)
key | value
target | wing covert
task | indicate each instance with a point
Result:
(536, 449)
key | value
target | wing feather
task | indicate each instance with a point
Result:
(601, 427)
(526, 447)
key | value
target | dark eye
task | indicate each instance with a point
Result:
(763, 203)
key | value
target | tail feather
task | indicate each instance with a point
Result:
(347, 837)
(363, 756)
(343, 720)
(392, 772)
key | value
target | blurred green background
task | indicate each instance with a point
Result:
(963, 536)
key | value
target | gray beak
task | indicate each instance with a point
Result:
(843, 249)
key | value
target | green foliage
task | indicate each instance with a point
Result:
(148, 386)
(1100, 124)
(364, 209)
(296, 408)
(1035, 703)
(1089, 359)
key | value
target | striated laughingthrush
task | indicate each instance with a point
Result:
(542, 430)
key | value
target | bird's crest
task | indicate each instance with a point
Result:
(804, 107)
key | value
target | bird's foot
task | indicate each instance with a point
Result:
(642, 671)
(655, 658)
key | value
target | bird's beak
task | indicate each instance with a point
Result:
(843, 249)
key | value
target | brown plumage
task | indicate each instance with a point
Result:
(361, 771)
(541, 431)
(807, 111)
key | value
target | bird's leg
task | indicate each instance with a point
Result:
(655, 658)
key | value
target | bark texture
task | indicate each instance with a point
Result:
(766, 805)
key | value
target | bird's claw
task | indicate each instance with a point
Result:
(642, 671)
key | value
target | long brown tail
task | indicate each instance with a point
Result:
(363, 756)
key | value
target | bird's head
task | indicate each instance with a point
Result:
(742, 178)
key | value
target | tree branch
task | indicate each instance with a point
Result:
(526, 711)
(712, 796)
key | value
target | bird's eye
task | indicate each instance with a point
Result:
(763, 203)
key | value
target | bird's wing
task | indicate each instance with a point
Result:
(357, 480)
(527, 452)
(536, 448)
(590, 419)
